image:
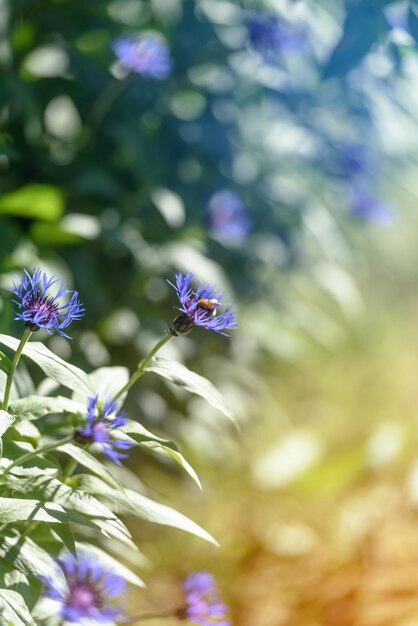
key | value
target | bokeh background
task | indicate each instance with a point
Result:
(277, 159)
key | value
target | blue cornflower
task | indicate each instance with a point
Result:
(356, 159)
(228, 216)
(146, 54)
(101, 421)
(367, 207)
(270, 35)
(199, 308)
(93, 591)
(203, 604)
(38, 308)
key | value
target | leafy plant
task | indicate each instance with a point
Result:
(57, 456)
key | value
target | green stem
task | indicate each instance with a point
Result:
(33, 453)
(142, 366)
(13, 366)
(105, 102)
(69, 469)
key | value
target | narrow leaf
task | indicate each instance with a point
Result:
(90, 462)
(18, 509)
(179, 375)
(52, 365)
(108, 561)
(35, 407)
(145, 438)
(129, 502)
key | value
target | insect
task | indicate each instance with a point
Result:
(208, 304)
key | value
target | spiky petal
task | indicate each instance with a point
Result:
(44, 302)
(100, 425)
(194, 313)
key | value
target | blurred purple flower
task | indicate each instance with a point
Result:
(370, 209)
(356, 159)
(38, 308)
(204, 606)
(93, 591)
(199, 308)
(100, 424)
(270, 35)
(228, 216)
(146, 54)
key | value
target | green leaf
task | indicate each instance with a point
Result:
(64, 534)
(128, 502)
(28, 557)
(6, 420)
(13, 609)
(109, 562)
(25, 431)
(145, 438)
(41, 202)
(35, 407)
(87, 460)
(179, 375)
(5, 363)
(18, 509)
(51, 235)
(14, 580)
(49, 489)
(54, 367)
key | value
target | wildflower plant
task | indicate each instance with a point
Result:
(60, 496)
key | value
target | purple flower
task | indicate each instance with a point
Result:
(370, 209)
(199, 308)
(228, 216)
(270, 36)
(39, 308)
(93, 591)
(101, 421)
(146, 54)
(356, 160)
(204, 606)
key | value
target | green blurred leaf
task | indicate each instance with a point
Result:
(54, 235)
(41, 202)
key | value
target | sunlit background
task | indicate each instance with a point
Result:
(274, 153)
